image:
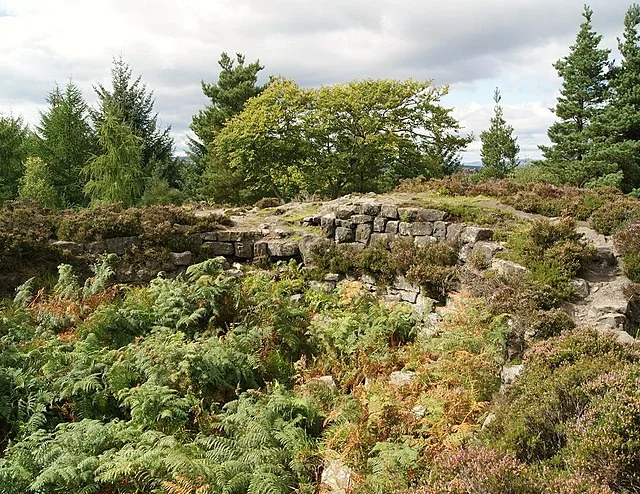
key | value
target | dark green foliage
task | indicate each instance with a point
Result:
(584, 74)
(65, 142)
(116, 175)
(554, 253)
(616, 130)
(14, 149)
(236, 84)
(499, 151)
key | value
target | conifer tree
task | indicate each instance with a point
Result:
(116, 175)
(14, 139)
(499, 147)
(66, 141)
(584, 75)
(135, 107)
(37, 183)
(617, 130)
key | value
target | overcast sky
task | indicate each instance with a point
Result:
(471, 45)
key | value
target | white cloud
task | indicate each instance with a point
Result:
(472, 45)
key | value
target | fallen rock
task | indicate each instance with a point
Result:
(504, 267)
(510, 373)
(401, 378)
(473, 234)
(336, 477)
(181, 258)
(581, 287)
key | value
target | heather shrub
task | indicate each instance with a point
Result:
(478, 469)
(627, 241)
(613, 215)
(533, 416)
(604, 442)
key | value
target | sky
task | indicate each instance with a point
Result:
(471, 45)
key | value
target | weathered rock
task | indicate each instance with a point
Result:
(379, 224)
(336, 477)
(243, 250)
(606, 256)
(401, 283)
(392, 227)
(485, 251)
(473, 234)
(181, 258)
(401, 378)
(440, 229)
(620, 335)
(369, 208)
(454, 231)
(311, 220)
(279, 248)
(260, 250)
(322, 286)
(345, 223)
(389, 211)
(335, 277)
(71, 247)
(209, 236)
(488, 420)
(113, 245)
(325, 380)
(431, 215)
(420, 228)
(410, 297)
(345, 211)
(611, 322)
(510, 373)
(358, 219)
(328, 225)
(220, 248)
(404, 228)
(580, 287)
(296, 297)
(424, 305)
(422, 241)
(344, 235)
(383, 238)
(504, 267)
(307, 245)
(363, 233)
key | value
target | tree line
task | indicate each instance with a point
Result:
(280, 140)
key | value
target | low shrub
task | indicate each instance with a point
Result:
(612, 216)
(605, 440)
(627, 241)
(268, 202)
(533, 417)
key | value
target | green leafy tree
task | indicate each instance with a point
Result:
(14, 144)
(135, 109)
(37, 183)
(584, 92)
(261, 150)
(370, 133)
(116, 175)
(66, 141)
(499, 147)
(617, 130)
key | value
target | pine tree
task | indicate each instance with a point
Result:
(135, 107)
(37, 183)
(14, 137)
(116, 175)
(617, 130)
(584, 74)
(499, 147)
(66, 141)
(237, 83)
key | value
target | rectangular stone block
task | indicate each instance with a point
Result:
(383, 238)
(220, 248)
(369, 208)
(421, 228)
(243, 250)
(344, 235)
(392, 227)
(363, 233)
(358, 219)
(440, 229)
(404, 228)
(389, 211)
(379, 224)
